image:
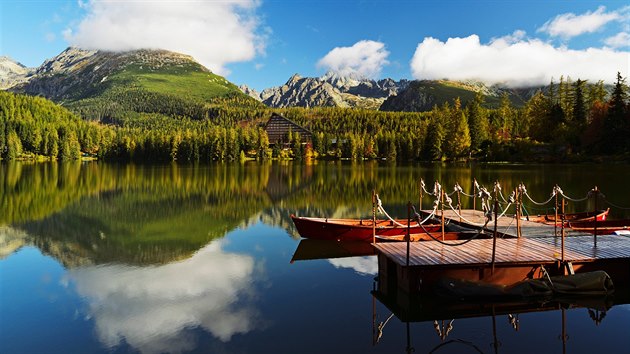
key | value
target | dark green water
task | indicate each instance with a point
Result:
(105, 258)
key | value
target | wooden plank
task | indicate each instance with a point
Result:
(523, 250)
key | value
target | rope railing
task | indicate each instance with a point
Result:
(379, 204)
(614, 205)
(485, 196)
(480, 192)
(477, 224)
(480, 232)
(561, 193)
(424, 189)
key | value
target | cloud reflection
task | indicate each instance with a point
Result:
(150, 308)
(367, 265)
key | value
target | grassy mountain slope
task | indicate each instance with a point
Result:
(104, 85)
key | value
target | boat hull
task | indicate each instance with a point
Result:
(353, 229)
(603, 227)
(550, 219)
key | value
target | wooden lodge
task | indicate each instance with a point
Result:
(278, 128)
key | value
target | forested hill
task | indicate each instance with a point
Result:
(31, 126)
(423, 95)
(102, 86)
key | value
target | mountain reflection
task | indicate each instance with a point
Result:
(153, 309)
(97, 213)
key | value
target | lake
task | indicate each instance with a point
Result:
(115, 258)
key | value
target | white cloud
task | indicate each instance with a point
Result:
(569, 25)
(367, 265)
(215, 33)
(515, 63)
(151, 308)
(365, 58)
(620, 40)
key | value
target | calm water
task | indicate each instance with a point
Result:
(99, 258)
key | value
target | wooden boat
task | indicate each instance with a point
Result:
(354, 229)
(604, 227)
(550, 219)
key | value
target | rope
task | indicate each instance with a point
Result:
(381, 326)
(461, 341)
(476, 224)
(537, 203)
(458, 188)
(417, 216)
(502, 197)
(382, 210)
(425, 190)
(468, 195)
(588, 195)
(614, 205)
(443, 332)
(510, 224)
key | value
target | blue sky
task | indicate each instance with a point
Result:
(262, 43)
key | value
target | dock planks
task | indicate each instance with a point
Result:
(508, 251)
(506, 224)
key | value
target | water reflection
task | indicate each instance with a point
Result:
(447, 321)
(355, 255)
(151, 253)
(154, 308)
(361, 265)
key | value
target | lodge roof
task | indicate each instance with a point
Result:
(278, 128)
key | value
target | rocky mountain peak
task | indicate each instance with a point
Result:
(344, 81)
(250, 92)
(65, 61)
(331, 89)
(12, 73)
(294, 79)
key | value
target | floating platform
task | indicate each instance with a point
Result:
(516, 259)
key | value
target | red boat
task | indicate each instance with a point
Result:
(570, 217)
(605, 227)
(354, 229)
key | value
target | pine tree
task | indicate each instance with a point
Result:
(617, 122)
(14, 146)
(477, 122)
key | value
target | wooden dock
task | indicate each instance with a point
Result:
(506, 224)
(508, 251)
(515, 258)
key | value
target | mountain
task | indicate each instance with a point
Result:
(250, 92)
(422, 95)
(331, 90)
(102, 84)
(12, 73)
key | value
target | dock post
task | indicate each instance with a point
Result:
(555, 219)
(373, 216)
(518, 213)
(596, 194)
(474, 193)
(442, 202)
(420, 201)
(496, 222)
(562, 231)
(459, 201)
(408, 230)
